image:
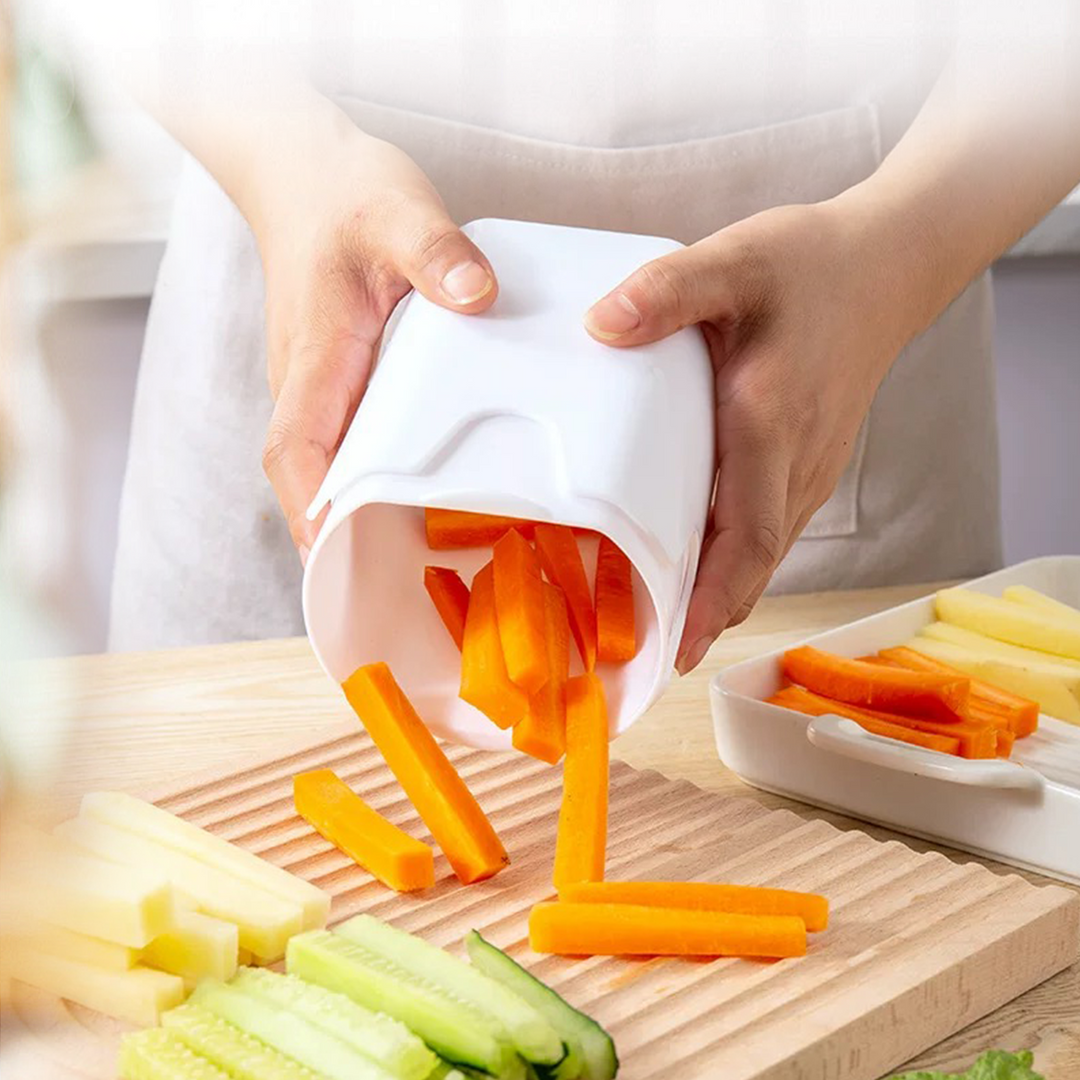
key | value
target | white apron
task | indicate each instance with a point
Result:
(203, 552)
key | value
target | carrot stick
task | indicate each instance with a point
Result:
(1023, 714)
(975, 740)
(433, 786)
(800, 700)
(872, 686)
(703, 896)
(582, 836)
(485, 682)
(561, 560)
(615, 635)
(519, 609)
(450, 595)
(450, 529)
(335, 811)
(634, 930)
(542, 733)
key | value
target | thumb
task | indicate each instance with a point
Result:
(439, 260)
(691, 285)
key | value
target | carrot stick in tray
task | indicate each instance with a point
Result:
(1022, 712)
(800, 700)
(924, 695)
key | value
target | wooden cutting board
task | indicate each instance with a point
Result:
(918, 947)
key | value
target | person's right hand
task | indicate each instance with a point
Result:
(343, 236)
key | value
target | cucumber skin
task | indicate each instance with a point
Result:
(594, 1047)
(525, 1026)
(310, 955)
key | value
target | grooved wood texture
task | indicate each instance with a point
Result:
(918, 947)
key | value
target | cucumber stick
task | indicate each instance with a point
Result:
(445, 1071)
(386, 1041)
(589, 1046)
(240, 1055)
(287, 1033)
(525, 1027)
(156, 1054)
(451, 1026)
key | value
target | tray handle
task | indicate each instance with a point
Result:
(838, 735)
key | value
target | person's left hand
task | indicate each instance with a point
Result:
(803, 314)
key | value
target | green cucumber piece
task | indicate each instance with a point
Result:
(586, 1040)
(387, 1041)
(156, 1054)
(242, 1056)
(287, 1033)
(452, 1027)
(531, 1034)
(446, 1071)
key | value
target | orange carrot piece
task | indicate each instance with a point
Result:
(800, 700)
(615, 635)
(432, 784)
(703, 896)
(872, 686)
(975, 740)
(978, 710)
(542, 733)
(634, 930)
(450, 595)
(1023, 714)
(450, 529)
(1005, 742)
(561, 560)
(519, 610)
(335, 811)
(485, 682)
(582, 835)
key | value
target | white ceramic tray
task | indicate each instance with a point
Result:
(1025, 811)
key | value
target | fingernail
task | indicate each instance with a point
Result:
(305, 551)
(612, 317)
(466, 283)
(693, 656)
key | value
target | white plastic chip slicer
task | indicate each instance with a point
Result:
(516, 411)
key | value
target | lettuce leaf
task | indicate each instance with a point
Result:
(993, 1065)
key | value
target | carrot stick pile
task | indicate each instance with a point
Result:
(901, 694)
(513, 627)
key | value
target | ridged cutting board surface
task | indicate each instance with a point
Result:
(918, 947)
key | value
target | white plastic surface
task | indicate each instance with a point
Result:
(516, 411)
(1025, 811)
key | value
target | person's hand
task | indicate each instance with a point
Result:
(343, 238)
(803, 321)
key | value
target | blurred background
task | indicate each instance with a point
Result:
(86, 184)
